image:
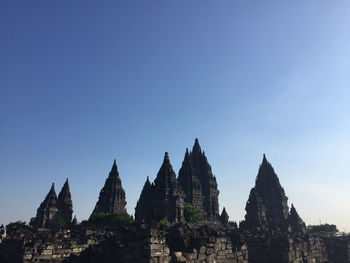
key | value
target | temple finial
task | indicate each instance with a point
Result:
(264, 159)
(196, 146)
(115, 167)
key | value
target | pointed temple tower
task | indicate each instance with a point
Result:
(199, 183)
(296, 223)
(267, 206)
(162, 199)
(112, 195)
(190, 182)
(64, 204)
(224, 217)
(143, 207)
(47, 213)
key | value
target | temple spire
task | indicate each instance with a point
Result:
(196, 147)
(64, 204)
(264, 159)
(114, 169)
(143, 207)
(112, 195)
(295, 221)
(46, 215)
(168, 195)
(166, 156)
(267, 203)
(224, 217)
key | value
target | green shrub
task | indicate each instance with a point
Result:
(16, 225)
(163, 222)
(61, 222)
(324, 229)
(110, 219)
(193, 214)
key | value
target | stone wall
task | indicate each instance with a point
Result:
(184, 244)
(145, 243)
(136, 243)
(266, 248)
(338, 249)
(31, 245)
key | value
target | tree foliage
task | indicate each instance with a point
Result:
(16, 225)
(61, 222)
(324, 229)
(163, 222)
(110, 219)
(193, 214)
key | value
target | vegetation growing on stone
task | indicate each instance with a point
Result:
(323, 229)
(163, 222)
(192, 213)
(110, 219)
(16, 224)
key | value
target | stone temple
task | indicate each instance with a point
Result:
(267, 206)
(163, 199)
(54, 211)
(112, 195)
(199, 183)
(271, 232)
(195, 185)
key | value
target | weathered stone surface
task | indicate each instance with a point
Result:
(112, 195)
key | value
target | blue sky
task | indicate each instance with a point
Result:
(84, 82)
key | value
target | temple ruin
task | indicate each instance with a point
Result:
(270, 233)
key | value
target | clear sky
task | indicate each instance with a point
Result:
(84, 82)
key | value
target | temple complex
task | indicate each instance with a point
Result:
(270, 233)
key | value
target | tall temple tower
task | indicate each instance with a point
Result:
(47, 213)
(53, 210)
(162, 199)
(64, 204)
(112, 195)
(199, 183)
(267, 206)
